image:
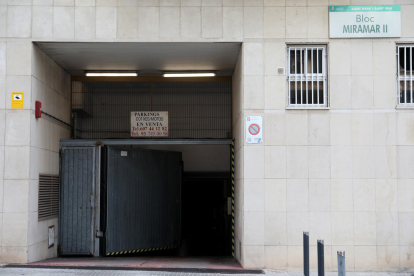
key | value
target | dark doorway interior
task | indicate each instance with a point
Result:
(206, 221)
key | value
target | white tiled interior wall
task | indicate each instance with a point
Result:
(344, 174)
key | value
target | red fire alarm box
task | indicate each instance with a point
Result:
(38, 109)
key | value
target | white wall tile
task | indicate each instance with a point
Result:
(365, 258)
(19, 21)
(406, 195)
(405, 256)
(233, 3)
(320, 227)
(3, 21)
(296, 128)
(407, 20)
(297, 223)
(253, 256)
(169, 22)
(127, 22)
(63, 22)
(405, 128)
(3, 57)
(106, 22)
(386, 195)
(361, 56)
(297, 195)
(295, 257)
(342, 228)
(297, 25)
(253, 59)
(253, 228)
(274, 22)
(253, 22)
(85, 3)
(127, 3)
(340, 58)
(385, 128)
(275, 162)
(274, 57)
(14, 229)
(254, 162)
(363, 162)
(388, 257)
(318, 22)
(384, 95)
(275, 92)
(64, 2)
(190, 22)
(365, 228)
(319, 128)
(190, 3)
(148, 22)
(254, 193)
(364, 195)
(16, 196)
(340, 92)
(342, 195)
(148, 3)
(384, 58)
(232, 22)
(2, 102)
(341, 162)
(385, 162)
(362, 92)
(3, 131)
(362, 129)
(297, 162)
(275, 195)
(275, 228)
(405, 155)
(42, 21)
(85, 22)
(16, 162)
(341, 128)
(276, 257)
(212, 22)
(319, 162)
(319, 195)
(387, 228)
(106, 3)
(19, 57)
(253, 3)
(254, 92)
(17, 129)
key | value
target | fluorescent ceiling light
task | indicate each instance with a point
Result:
(111, 74)
(183, 75)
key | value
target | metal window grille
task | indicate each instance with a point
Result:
(48, 196)
(405, 75)
(307, 78)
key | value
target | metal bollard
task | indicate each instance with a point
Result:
(341, 263)
(306, 253)
(321, 257)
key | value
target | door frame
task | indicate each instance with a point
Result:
(98, 143)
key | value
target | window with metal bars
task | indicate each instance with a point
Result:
(306, 77)
(405, 76)
(48, 197)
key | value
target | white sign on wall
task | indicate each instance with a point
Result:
(149, 124)
(254, 129)
(364, 21)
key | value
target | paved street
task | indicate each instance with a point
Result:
(69, 272)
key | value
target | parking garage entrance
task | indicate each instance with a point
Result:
(148, 197)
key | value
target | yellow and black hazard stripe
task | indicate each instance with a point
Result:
(139, 250)
(232, 197)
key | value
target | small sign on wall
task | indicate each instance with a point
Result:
(254, 129)
(17, 100)
(149, 124)
(51, 236)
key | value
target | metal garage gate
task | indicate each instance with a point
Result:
(77, 201)
(143, 200)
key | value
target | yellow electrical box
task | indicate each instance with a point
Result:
(17, 99)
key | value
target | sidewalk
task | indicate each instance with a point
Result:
(84, 272)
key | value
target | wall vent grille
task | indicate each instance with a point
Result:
(48, 196)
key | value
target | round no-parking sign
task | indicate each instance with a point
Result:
(254, 129)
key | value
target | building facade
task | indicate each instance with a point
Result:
(338, 164)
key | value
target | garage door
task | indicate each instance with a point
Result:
(143, 200)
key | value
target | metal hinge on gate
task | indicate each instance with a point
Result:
(60, 153)
(99, 234)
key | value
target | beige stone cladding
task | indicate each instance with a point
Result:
(345, 174)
